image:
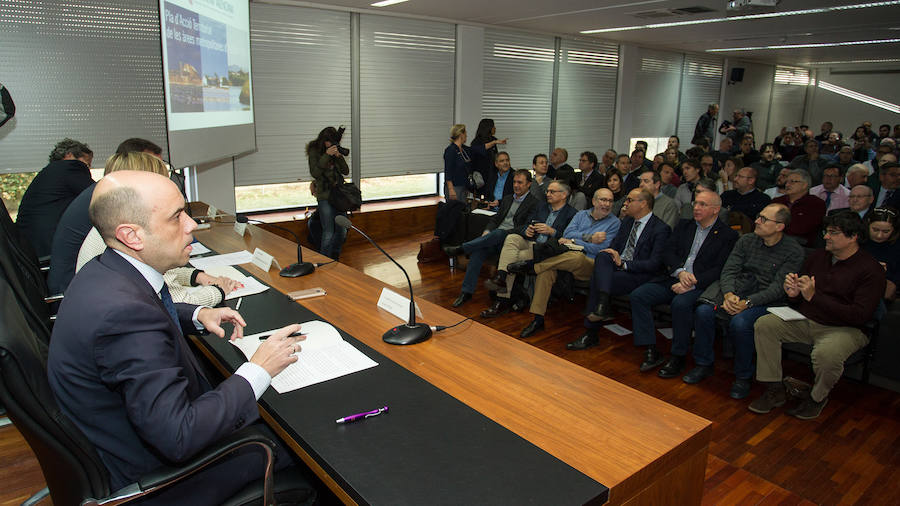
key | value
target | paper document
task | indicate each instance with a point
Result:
(198, 249)
(238, 257)
(252, 286)
(617, 329)
(324, 355)
(786, 313)
(574, 247)
(484, 212)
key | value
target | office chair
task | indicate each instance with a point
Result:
(71, 466)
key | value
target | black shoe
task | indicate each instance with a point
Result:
(652, 360)
(808, 409)
(740, 389)
(462, 299)
(673, 367)
(523, 267)
(698, 374)
(497, 284)
(532, 327)
(499, 307)
(603, 312)
(520, 305)
(453, 251)
(774, 397)
(584, 342)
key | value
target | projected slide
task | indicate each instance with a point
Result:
(206, 57)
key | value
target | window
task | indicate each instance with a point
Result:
(375, 188)
(788, 97)
(266, 197)
(655, 145)
(701, 82)
(586, 102)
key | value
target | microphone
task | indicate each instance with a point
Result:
(410, 332)
(298, 269)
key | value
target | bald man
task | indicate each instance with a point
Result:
(119, 364)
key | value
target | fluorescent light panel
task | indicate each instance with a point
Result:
(842, 62)
(821, 10)
(859, 96)
(385, 3)
(797, 46)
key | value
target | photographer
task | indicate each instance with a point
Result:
(328, 168)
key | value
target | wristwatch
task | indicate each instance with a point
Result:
(748, 303)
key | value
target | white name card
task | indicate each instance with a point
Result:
(212, 211)
(240, 228)
(396, 304)
(264, 260)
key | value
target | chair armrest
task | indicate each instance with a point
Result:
(165, 476)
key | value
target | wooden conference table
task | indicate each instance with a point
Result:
(643, 449)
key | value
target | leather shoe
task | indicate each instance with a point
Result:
(462, 299)
(603, 312)
(499, 307)
(520, 305)
(673, 367)
(584, 342)
(740, 389)
(698, 374)
(652, 360)
(453, 251)
(532, 327)
(523, 267)
(496, 284)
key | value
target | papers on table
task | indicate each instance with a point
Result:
(324, 355)
(198, 249)
(238, 257)
(786, 313)
(252, 286)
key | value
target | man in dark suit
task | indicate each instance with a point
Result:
(693, 259)
(52, 190)
(516, 210)
(633, 258)
(559, 169)
(592, 179)
(119, 364)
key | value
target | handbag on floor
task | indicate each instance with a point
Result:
(430, 251)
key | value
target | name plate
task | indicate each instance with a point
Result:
(264, 260)
(396, 304)
(241, 229)
(212, 211)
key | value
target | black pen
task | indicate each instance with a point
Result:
(295, 334)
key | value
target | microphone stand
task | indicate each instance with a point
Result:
(298, 269)
(410, 332)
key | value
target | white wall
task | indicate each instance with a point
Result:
(847, 113)
(753, 94)
(469, 76)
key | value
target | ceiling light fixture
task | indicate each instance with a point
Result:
(385, 3)
(859, 96)
(797, 46)
(821, 10)
(844, 62)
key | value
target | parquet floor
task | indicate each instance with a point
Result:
(850, 455)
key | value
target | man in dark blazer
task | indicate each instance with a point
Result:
(693, 259)
(591, 178)
(516, 210)
(633, 258)
(119, 364)
(51, 191)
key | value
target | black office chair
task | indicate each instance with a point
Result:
(72, 469)
(802, 352)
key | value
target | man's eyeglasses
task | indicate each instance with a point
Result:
(832, 232)
(604, 200)
(762, 219)
(550, 190)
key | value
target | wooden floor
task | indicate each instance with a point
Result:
(849, 455)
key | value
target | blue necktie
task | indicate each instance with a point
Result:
(628, 254)
(169, 304)
(828, 199)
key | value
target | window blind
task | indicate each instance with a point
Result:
(91, 71)
(656, 94)
(788, 98)
(701, 83)
(518, 92)
(406, 94)
(301, 81)
(586, 100)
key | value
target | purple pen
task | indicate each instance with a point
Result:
(360, 416)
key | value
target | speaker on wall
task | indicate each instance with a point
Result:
(737, 74)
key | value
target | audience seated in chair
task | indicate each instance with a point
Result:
(745, 198)
(807, 210)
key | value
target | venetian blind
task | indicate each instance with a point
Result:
(656, 93)
(788, 98)
(701, 83)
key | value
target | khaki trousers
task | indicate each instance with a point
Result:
(575, 262)
(515, 249)
(831, 347)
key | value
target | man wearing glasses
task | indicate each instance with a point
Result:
(745, 198)
(831, 191)
(590, 231)
(861, 198)
(750, 282)
(807, 210)
(837, 291)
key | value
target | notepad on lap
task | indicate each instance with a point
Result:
(786, 313)
(324, 355)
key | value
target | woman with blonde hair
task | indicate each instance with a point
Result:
(457, 164)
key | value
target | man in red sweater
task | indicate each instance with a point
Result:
(807, 210)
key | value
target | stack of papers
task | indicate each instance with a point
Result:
(786, 313)
(252, 285)
(238, 257)
(324, 355)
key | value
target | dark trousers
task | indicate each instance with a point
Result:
(642, 300)
(609, 279)
(740, 329)
(478, 250)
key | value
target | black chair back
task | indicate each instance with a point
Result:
(72, 469)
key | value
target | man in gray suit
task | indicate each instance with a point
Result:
(664, 206)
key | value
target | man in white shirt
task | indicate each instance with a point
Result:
(835, 195)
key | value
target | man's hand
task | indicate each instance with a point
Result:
(542, 228)
(687, 280)
(227, 285)
(212, 319)
(615, 256)
(790, 285)
(679, 288)
(807, 286)
(279, 350)
(566, 240)
(598, 237)
(734, 307)
(529, 231)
